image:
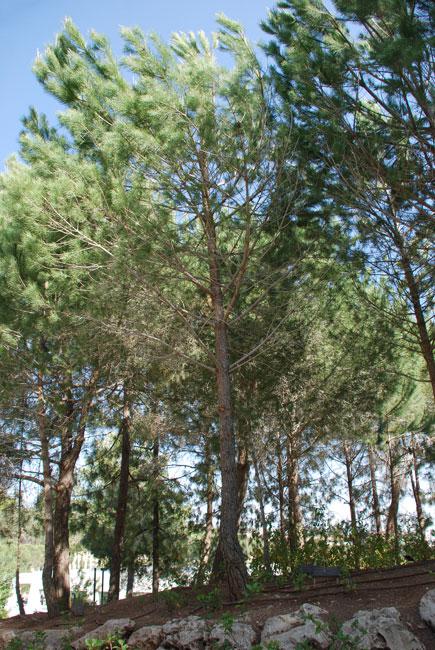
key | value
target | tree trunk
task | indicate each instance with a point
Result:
(264, 530)
(156, 518)
(294, 524)
(130, 581)
(242, 478)
(392, 526)
(208, 535)
(231, 565)
(352, 504)
(424, 339)
(121, 507)
(375, 497)
(47, 571)
(19, 532)
(280, 491)
(415, 481)
(62, 508)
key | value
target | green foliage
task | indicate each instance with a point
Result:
(111, 642)
(5, 590)
(212, 599)
(173, 599)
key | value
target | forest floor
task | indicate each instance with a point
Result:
(401, 587)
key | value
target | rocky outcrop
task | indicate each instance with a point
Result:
(116, 626)
(239, 635)
(380, 629)
(146, 638)
(189, 633)
(49, 639)
(304, 625)
(427, 608)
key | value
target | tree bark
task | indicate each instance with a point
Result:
(264, 530)
(294, 524)
(47, 571)
(156, 518)
(352, 504)
(231, 566)
(375, 497)
(424, 339)
(280, 491)
(19, 532)
(415, 482)
(121, 507)
(208, 535)
(130, 581)
(242, 478)
(392, 526)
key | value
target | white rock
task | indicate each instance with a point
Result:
(427, 608)
(296, 627)
(52, 639)
(119, 626)
(147, 637)
(185, 633)
(241, 636)
(6, 637)
(380, 628)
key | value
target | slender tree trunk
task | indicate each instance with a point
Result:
(156, 518)
(19, 533)
(231, 566)
(415, 481)
(375, 497)
(392, 526)
(264, 530)
(424, 339)
(294, 528)
(130, 580)
(280, 491)
(47, 571)
(242, 479)
(121, 507)
(208, 535)
(352, 504)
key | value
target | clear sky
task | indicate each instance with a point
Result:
(29, 25)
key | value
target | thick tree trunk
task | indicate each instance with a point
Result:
(294, 524)
(415, 482)
(47, 571)
(375, 497)
(424, 339)
(208, 535)
(231, 565)
(281, 500)
(62, 508)
(156, 518)
(121, 507)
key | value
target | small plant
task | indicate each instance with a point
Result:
(299, 580)
(227, 622)
(253, 588)
(212, 599)
(173, 599)
(111, 642)
(15, 644)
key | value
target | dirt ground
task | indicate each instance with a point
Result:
(401, 587)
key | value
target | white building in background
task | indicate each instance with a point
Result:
(87, 577)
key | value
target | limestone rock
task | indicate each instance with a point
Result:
(148, 637)
(241, 636)
(427, 608)
(380, 628)
(6, 637)
(119, 626)
(185, 633)
(302, 625)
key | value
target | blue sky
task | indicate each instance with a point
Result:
(29, 25)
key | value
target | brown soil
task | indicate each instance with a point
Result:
(401, 587)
